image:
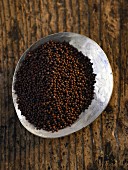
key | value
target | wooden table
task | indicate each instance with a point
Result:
(104, 144)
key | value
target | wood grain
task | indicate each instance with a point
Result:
(103, 145)
(110, 41)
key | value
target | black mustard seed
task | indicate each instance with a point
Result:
(54, 84)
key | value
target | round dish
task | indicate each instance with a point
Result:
(103, 85)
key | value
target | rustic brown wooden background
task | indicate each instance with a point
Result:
(104, 144)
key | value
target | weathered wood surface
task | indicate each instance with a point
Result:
(104, 144)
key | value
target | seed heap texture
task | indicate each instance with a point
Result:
(54, 84)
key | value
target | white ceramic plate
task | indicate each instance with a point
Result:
(103, 85)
